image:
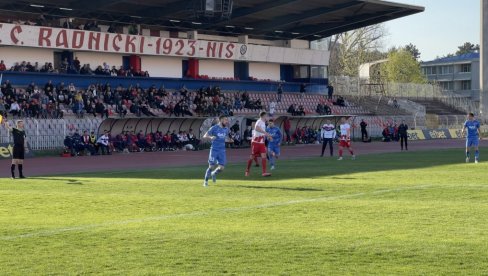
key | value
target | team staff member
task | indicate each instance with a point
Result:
(20, 147)
(403, 133)
(328, 134)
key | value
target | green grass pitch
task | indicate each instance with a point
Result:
(410, 213)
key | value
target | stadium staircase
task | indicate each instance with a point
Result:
(378, 106)
(440, 115)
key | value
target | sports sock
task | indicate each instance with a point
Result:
(264, 164)
(271, 160)
(12, 169)
(256, 160)
(207, 174)
(340, 153)
(217, 170)
(249, 164)
(331, 149)
(477, 154)
(351, 152)
(467, 154)
(20, 170)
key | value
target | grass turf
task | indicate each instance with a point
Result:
(408, 213)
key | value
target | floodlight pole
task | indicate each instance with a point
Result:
(484, 61)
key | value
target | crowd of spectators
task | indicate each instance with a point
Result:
(74, 67)
(49, 101)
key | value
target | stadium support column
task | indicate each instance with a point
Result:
(193, 63)
(484, 61)
(243, 39)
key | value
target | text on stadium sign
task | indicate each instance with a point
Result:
(80, 40)
(69, 39)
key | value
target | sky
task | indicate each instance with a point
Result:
(439, 30)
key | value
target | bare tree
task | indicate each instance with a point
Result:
(350, 49)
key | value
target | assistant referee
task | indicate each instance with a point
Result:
(20, 147)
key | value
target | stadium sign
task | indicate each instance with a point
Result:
(429, 134)
(6, 151)
(80, 40)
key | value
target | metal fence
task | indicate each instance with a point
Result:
(45, 134)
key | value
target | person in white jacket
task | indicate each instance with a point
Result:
(328, 134)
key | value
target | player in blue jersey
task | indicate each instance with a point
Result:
(274, 143)
(219, 135)
(472, 137)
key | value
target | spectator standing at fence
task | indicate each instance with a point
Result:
(20, 147)
(403, 133)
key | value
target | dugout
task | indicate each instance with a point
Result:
(201, 125)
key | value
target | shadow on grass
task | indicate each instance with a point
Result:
(299, 189)
(302, 168)
(67, 180)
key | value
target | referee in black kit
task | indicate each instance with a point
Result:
(20, 146)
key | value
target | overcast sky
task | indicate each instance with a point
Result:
(444, 25)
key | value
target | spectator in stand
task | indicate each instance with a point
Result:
(300, 111)
(77, 65)
(272, 108)
(292, 110)
(2, 66)
(320, 109)
(340, 101)
(303, 89)
(14, 109)
(100, 109)
(279, 92)
(237, 103)
(145, 110)
(330, 91)
(64, 66)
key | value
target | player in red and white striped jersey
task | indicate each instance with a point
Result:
(258, 148)
(345, 139)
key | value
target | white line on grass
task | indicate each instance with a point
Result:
(58, 231)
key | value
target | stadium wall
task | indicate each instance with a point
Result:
(25, 78)
(162, 66)
(217, 68)
(268, 71)
(96, 59)
(11, 55)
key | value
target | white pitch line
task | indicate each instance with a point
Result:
(57, 231)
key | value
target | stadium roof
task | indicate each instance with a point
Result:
(269, 19)
(455, 59)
